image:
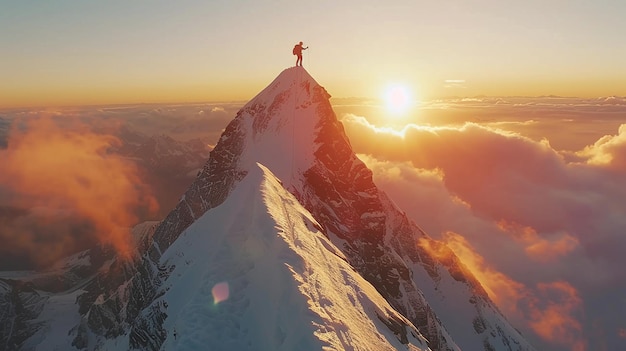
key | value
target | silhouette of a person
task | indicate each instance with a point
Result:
(297, 50)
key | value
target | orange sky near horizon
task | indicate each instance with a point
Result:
(75, 53)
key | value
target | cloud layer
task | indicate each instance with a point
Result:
(139, 142)
(546, 232)
(57, 171)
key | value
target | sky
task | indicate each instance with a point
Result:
(72, 52)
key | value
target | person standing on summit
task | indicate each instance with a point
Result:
(297, 50)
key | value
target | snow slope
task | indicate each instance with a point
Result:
(289, 287)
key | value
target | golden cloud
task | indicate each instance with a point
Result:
(71, 168)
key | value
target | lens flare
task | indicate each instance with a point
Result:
(220, 292)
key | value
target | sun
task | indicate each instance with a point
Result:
(398, 99)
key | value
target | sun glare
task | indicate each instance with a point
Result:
(398, 99)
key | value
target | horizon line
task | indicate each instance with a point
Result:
(237, 101)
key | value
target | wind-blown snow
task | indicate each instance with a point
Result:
(289, 287)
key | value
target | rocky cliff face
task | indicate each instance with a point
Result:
(20, 304)
(382, 244)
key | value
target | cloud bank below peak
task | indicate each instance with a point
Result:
(551, 223)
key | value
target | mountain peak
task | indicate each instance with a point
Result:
(291, 129)
(284, 196)
(288, 79)
(279, 124)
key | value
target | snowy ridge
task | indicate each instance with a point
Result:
(287, 290)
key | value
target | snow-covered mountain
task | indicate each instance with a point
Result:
(169, 165)
(166, 155)
(283, 242)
